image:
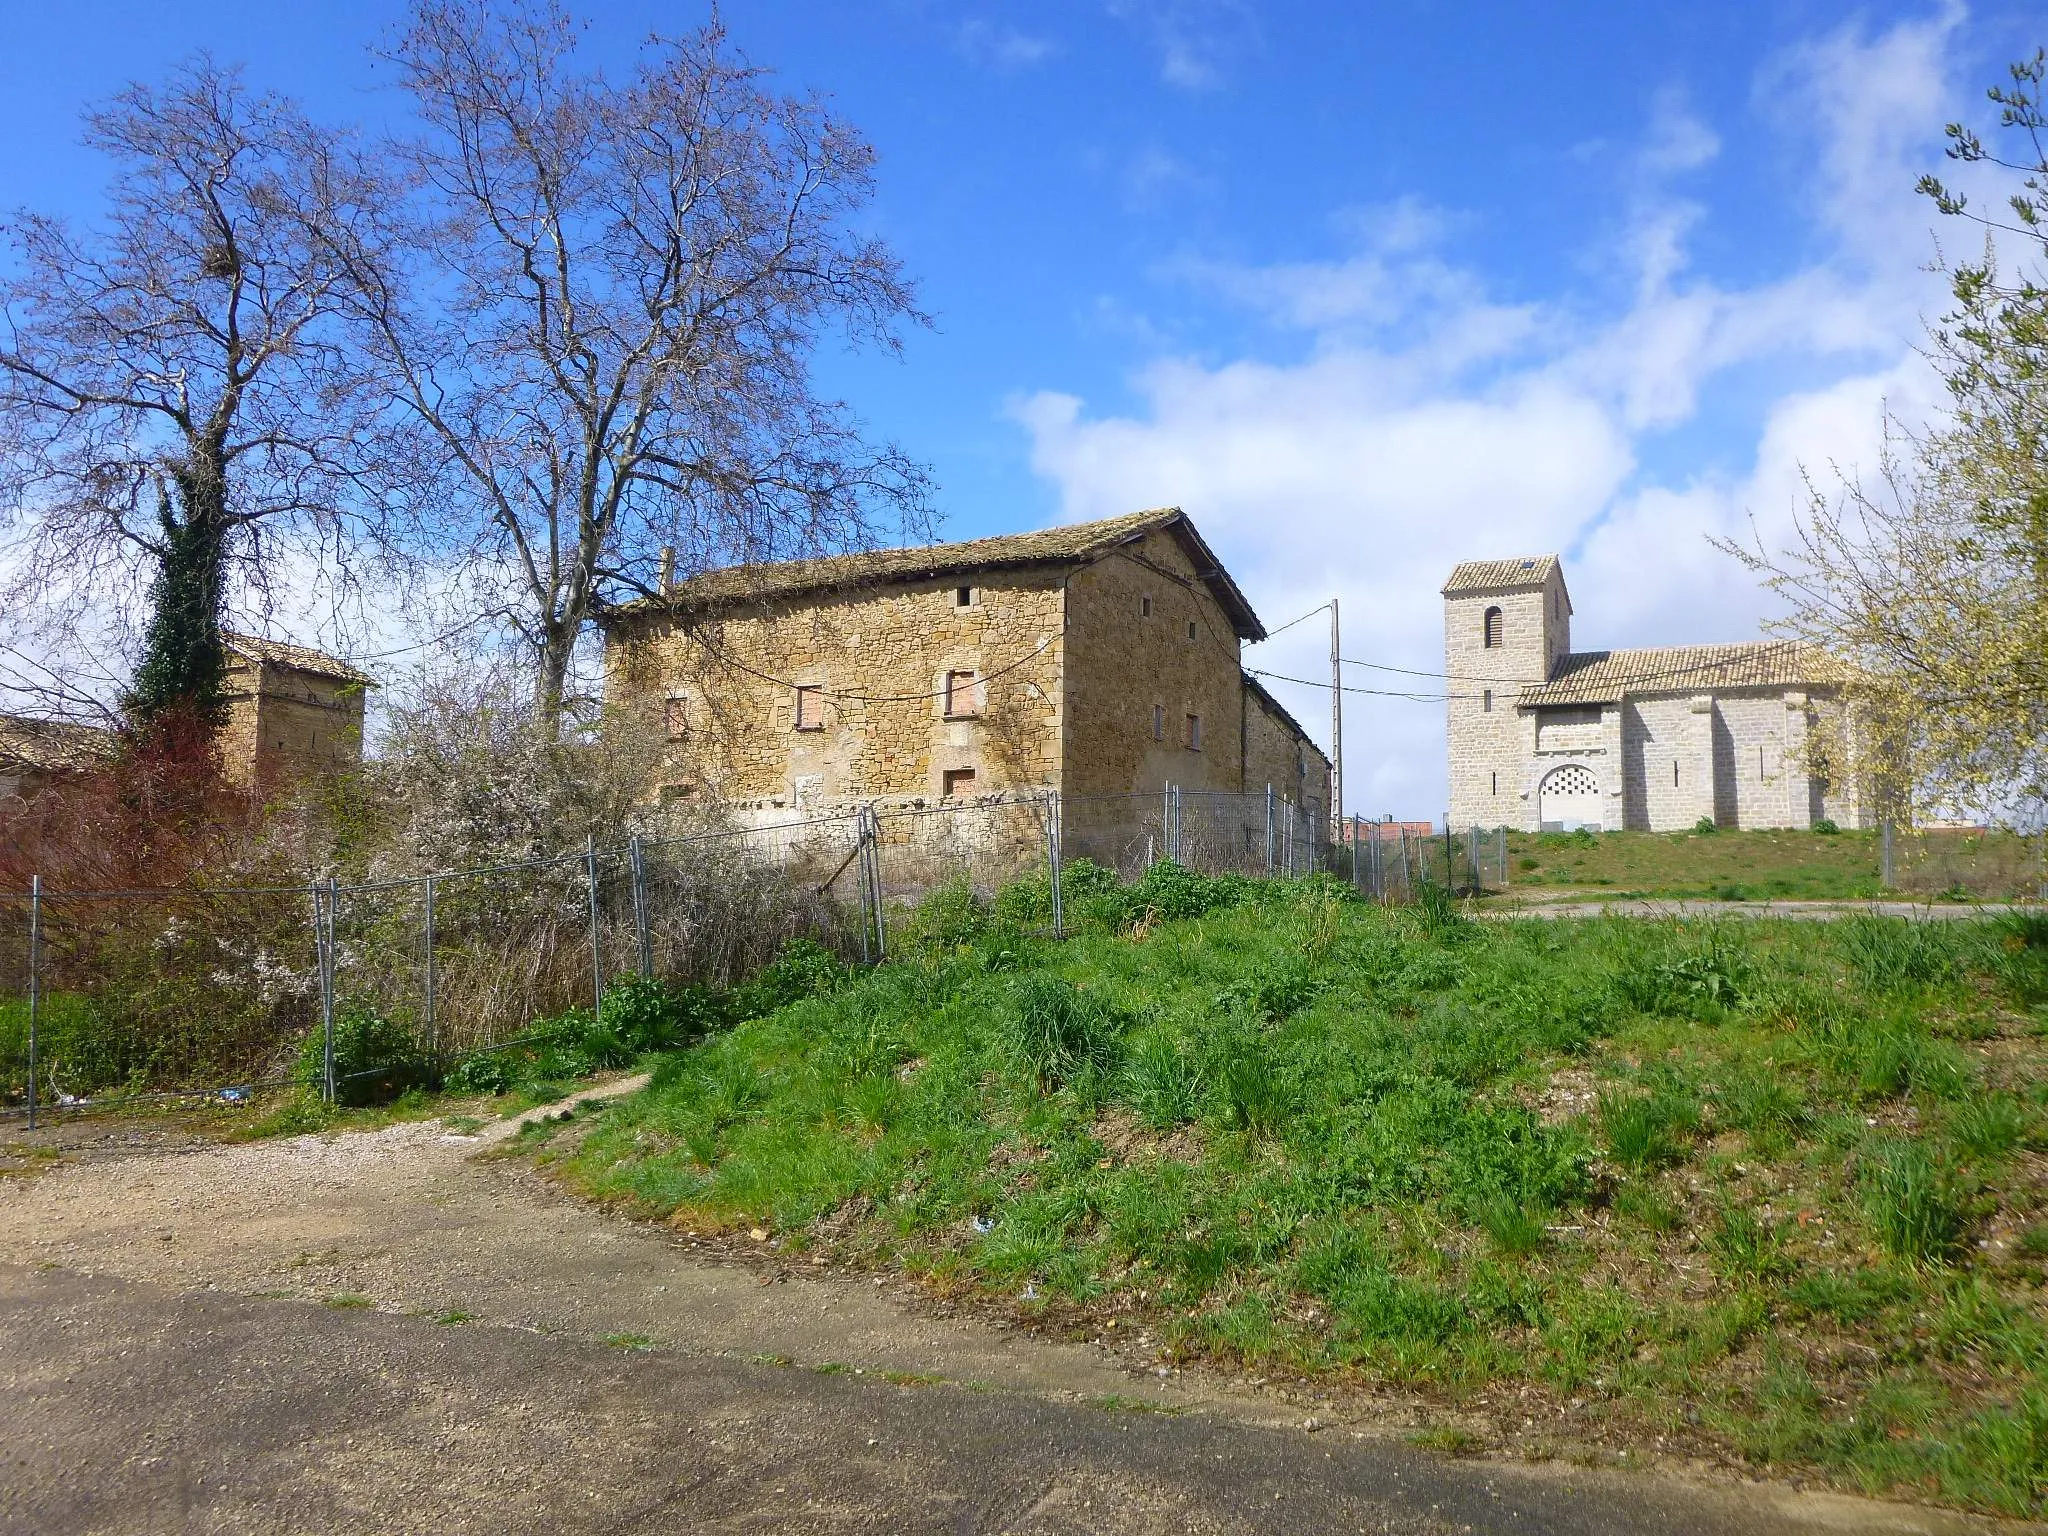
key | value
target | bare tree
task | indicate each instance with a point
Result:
(608, 319)
(177, 391)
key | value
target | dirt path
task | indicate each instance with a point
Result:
(1585, 904)
(492, 1355)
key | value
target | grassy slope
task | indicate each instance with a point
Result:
(1742, 866)
(1766, 1188)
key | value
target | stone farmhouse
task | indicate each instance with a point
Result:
(1100, 659)
(1543, 737)
(292, 713)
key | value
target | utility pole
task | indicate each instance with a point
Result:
(1336, 730)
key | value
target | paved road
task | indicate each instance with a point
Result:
(166, 1364)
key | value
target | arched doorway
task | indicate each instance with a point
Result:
(1569, 797)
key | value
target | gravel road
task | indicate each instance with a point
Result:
(385, 1331)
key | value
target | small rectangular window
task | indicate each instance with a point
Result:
(1159, 722)
(1674, 773)
(675, 719)
(810, 707)
(1145, 606)
(1487, 705)
(1496, 782)
(963, 597)
(958, 781)
(960, 699)
(1195, 733)
(1191, 629)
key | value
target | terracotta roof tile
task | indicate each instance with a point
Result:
(1602, 677)
(1501, 575)
(1075, 543)
(300, 658)
(52, 745)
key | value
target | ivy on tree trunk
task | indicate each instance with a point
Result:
(183, 657)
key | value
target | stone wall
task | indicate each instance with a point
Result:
(879, 660)
(1276, 753)
(285, 725)
(1739, 757)
(1149, 652)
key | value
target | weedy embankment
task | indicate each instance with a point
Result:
(1767, 1190)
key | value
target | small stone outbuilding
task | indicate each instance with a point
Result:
(290, 713)
(293, 713)
(1099, 659)
(1543, 737)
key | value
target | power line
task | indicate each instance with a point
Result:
(1319, 607)
(1383, 693)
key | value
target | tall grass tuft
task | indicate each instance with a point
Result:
(1647, 1130)
(1911, 1203)
(1891, 954)
(1163, 1081)
(1516, 1230)
(1054, 1031)
(1986, 1126)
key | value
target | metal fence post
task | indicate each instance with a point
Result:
(323, 940)
(1884, 853)
(1052, 859)
(860, 882)
(35, 983)
(433, 979)
(1269, 831)
(1472, 857)
(875, 875)
(596, 951)
(1287, 848)
(638, 855)
(1502, 834)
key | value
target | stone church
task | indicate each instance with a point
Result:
(1545, 738)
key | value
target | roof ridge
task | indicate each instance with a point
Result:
(1060, 545)
(289, 653)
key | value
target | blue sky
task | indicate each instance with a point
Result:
(1368, 289)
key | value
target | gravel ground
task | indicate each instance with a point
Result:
(385, 1331)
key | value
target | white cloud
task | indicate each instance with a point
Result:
(1431, 422)
(1195, 39)
(1000, 46)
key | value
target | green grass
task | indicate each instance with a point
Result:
(1783, 865)
(1723, 1183)
(1719, 866)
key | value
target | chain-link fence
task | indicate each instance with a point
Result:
(124, 996)
(1981, 863)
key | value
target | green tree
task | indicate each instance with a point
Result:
(1930, 577)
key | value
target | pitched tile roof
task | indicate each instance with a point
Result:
(1500, 575)
(299, 658)
(1074, 544)
(52, 745)
(1602, 677)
